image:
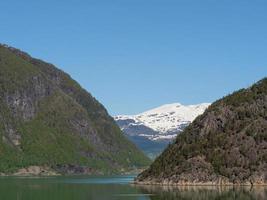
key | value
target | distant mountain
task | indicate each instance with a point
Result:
(153, 130)
(225, 145)
(48, 122)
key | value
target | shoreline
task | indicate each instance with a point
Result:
(198, 184)
(46, 171)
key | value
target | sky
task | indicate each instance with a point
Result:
(134, 55)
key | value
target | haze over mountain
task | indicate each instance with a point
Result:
(49, 124)
(154, 129)
(226, 145)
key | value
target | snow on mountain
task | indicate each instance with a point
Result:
(154, 129)
(167, 120)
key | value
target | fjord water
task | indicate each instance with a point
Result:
(114, 188)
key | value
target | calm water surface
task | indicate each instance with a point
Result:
(114, 188)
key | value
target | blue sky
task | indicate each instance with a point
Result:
(134, 55)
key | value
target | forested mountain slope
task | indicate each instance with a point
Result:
(48, 119)
(225, 145)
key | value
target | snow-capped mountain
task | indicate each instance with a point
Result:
(159, 126)
(166, 120)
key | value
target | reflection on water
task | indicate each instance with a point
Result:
(115, 188)
(205, 193)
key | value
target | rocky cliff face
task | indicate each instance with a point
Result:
(226, 145)
(47, 119)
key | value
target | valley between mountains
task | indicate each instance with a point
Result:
(50, 125)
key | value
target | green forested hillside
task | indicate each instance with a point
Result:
(47, 119)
